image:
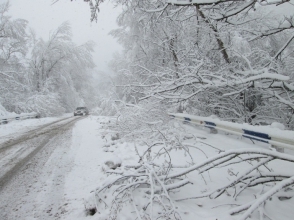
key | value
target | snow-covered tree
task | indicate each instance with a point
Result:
(60, 67)
(13, 48)
(48, 77)
(210, 58)
(13, 37)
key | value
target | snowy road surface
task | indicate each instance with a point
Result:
(34, 168)
(50, 171)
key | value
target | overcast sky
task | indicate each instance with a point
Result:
(44, 17)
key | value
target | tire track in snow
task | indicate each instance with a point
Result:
(28, 135)
(50, 134)
(37, 191)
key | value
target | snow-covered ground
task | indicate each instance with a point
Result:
(62, 186)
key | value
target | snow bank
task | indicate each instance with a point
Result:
(12, 115)
(277, 125)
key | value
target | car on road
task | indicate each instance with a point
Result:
(81, 111)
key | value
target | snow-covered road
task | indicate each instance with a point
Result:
(51, 183)
(57, 180)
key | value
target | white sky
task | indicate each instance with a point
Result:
(44, 17)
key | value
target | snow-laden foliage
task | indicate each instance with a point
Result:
(139, 121)
(3, 111)
(228, 58)
(49, 77)
(59, 66)
(13, 37)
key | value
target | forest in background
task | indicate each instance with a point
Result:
(232, 59)
(49, 77)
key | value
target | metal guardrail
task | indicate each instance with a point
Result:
(5, 120)
(280, 139)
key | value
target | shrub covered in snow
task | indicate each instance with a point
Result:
(249, 182)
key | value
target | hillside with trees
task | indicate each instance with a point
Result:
(49, 77)
(233, 59)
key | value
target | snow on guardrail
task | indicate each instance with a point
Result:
(274, 136)
(23, 116)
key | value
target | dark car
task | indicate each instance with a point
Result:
(81, 111)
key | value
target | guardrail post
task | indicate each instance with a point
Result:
(211, 127)
(213, 131)
(279, 149)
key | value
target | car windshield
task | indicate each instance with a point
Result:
(81, 108)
